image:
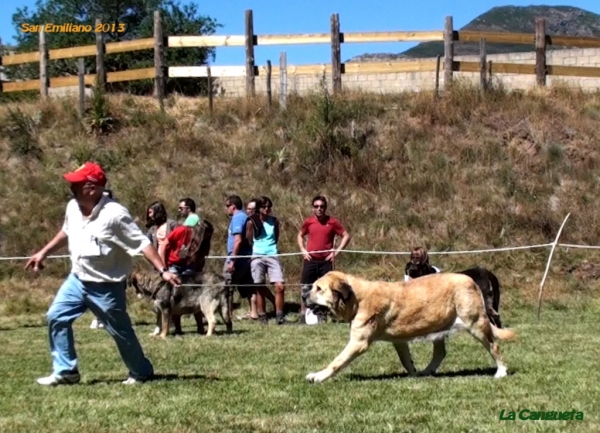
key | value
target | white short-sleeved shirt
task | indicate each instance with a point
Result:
(406, 277)
(102, 246)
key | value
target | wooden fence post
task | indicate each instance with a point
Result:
(448, 52)
(44, 79)
(250, 87)
(437, 75)
(336, 58)
(210, 91)
(269, 100)
(1, 54)
(159, 60)
(540, 51)
(489, 71)
(100, 50)
(81, 75)
(283, 80)
(482, 65)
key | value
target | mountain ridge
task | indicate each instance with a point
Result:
(560, 20)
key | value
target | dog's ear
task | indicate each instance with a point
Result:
(343, 288)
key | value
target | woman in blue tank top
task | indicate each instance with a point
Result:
(262, 231)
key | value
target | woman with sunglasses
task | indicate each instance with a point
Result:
(262, 231)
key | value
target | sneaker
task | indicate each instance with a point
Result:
(96, 324)
(55, 379)
(302, 319)
(263, 320)
(133, 381)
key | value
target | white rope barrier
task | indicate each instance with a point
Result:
(371, 252)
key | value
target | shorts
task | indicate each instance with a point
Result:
(313, 269)
(261, 265)
(242, 276)
(181, 270)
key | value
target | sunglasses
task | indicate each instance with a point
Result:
(319, 206)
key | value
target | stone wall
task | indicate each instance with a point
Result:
(416, 81)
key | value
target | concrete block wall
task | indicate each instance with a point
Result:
(418, 81)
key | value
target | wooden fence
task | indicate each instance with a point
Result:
(336, 69)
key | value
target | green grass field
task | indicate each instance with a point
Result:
(253, 380)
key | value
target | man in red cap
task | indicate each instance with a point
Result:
(102, 238)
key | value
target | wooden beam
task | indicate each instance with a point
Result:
(336, 56)
(159, 61)
(573, 41)
(420, 36)
(540, 51)
(206, 41)
(125, 46)
(249, 43)
(390, 67)
(495, 37)
(44, 78)
(293, 39)
(499, 68)
(21, 86)
(482, 65)
(100, 71)
(131, 75)
(18, 59)
(574, 71)
(448, 51)
(201, 71)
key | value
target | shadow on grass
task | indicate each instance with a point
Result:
(157, 378)
(461, 373)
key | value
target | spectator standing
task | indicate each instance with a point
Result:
(321, 230)
(187, 211)
(263, 234)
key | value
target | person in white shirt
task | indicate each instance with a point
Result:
(102, 238)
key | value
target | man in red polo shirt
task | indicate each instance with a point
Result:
(321, 230)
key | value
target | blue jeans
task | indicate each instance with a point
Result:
(108, 303)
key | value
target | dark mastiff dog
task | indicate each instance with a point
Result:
(209, 297)
(487, 282)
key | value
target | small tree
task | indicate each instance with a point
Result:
(135, 17)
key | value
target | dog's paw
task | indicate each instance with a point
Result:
(316, 377)
(500, 373)
(425, 373)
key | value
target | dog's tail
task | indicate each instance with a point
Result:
(503, 333)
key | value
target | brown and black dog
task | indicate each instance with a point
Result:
(418, 266)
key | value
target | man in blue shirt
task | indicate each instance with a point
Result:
(237, 269)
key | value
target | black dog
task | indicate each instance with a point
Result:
(487, 282)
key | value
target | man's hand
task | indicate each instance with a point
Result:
(230, 266)
(331, 256)
(171, 278)
(36, 261)
(306, 255)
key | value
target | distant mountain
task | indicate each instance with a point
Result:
(560, 20)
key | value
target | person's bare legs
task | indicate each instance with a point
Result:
(279, 301)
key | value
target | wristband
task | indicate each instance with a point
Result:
(162, 271)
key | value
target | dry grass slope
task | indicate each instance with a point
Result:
(462, 172)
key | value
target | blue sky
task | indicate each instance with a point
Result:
(313, 16)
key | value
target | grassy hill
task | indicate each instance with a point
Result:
(560, 20)
(460, 173)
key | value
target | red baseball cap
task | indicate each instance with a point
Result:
(88, 172)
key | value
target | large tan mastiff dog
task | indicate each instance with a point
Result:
(427, 308)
